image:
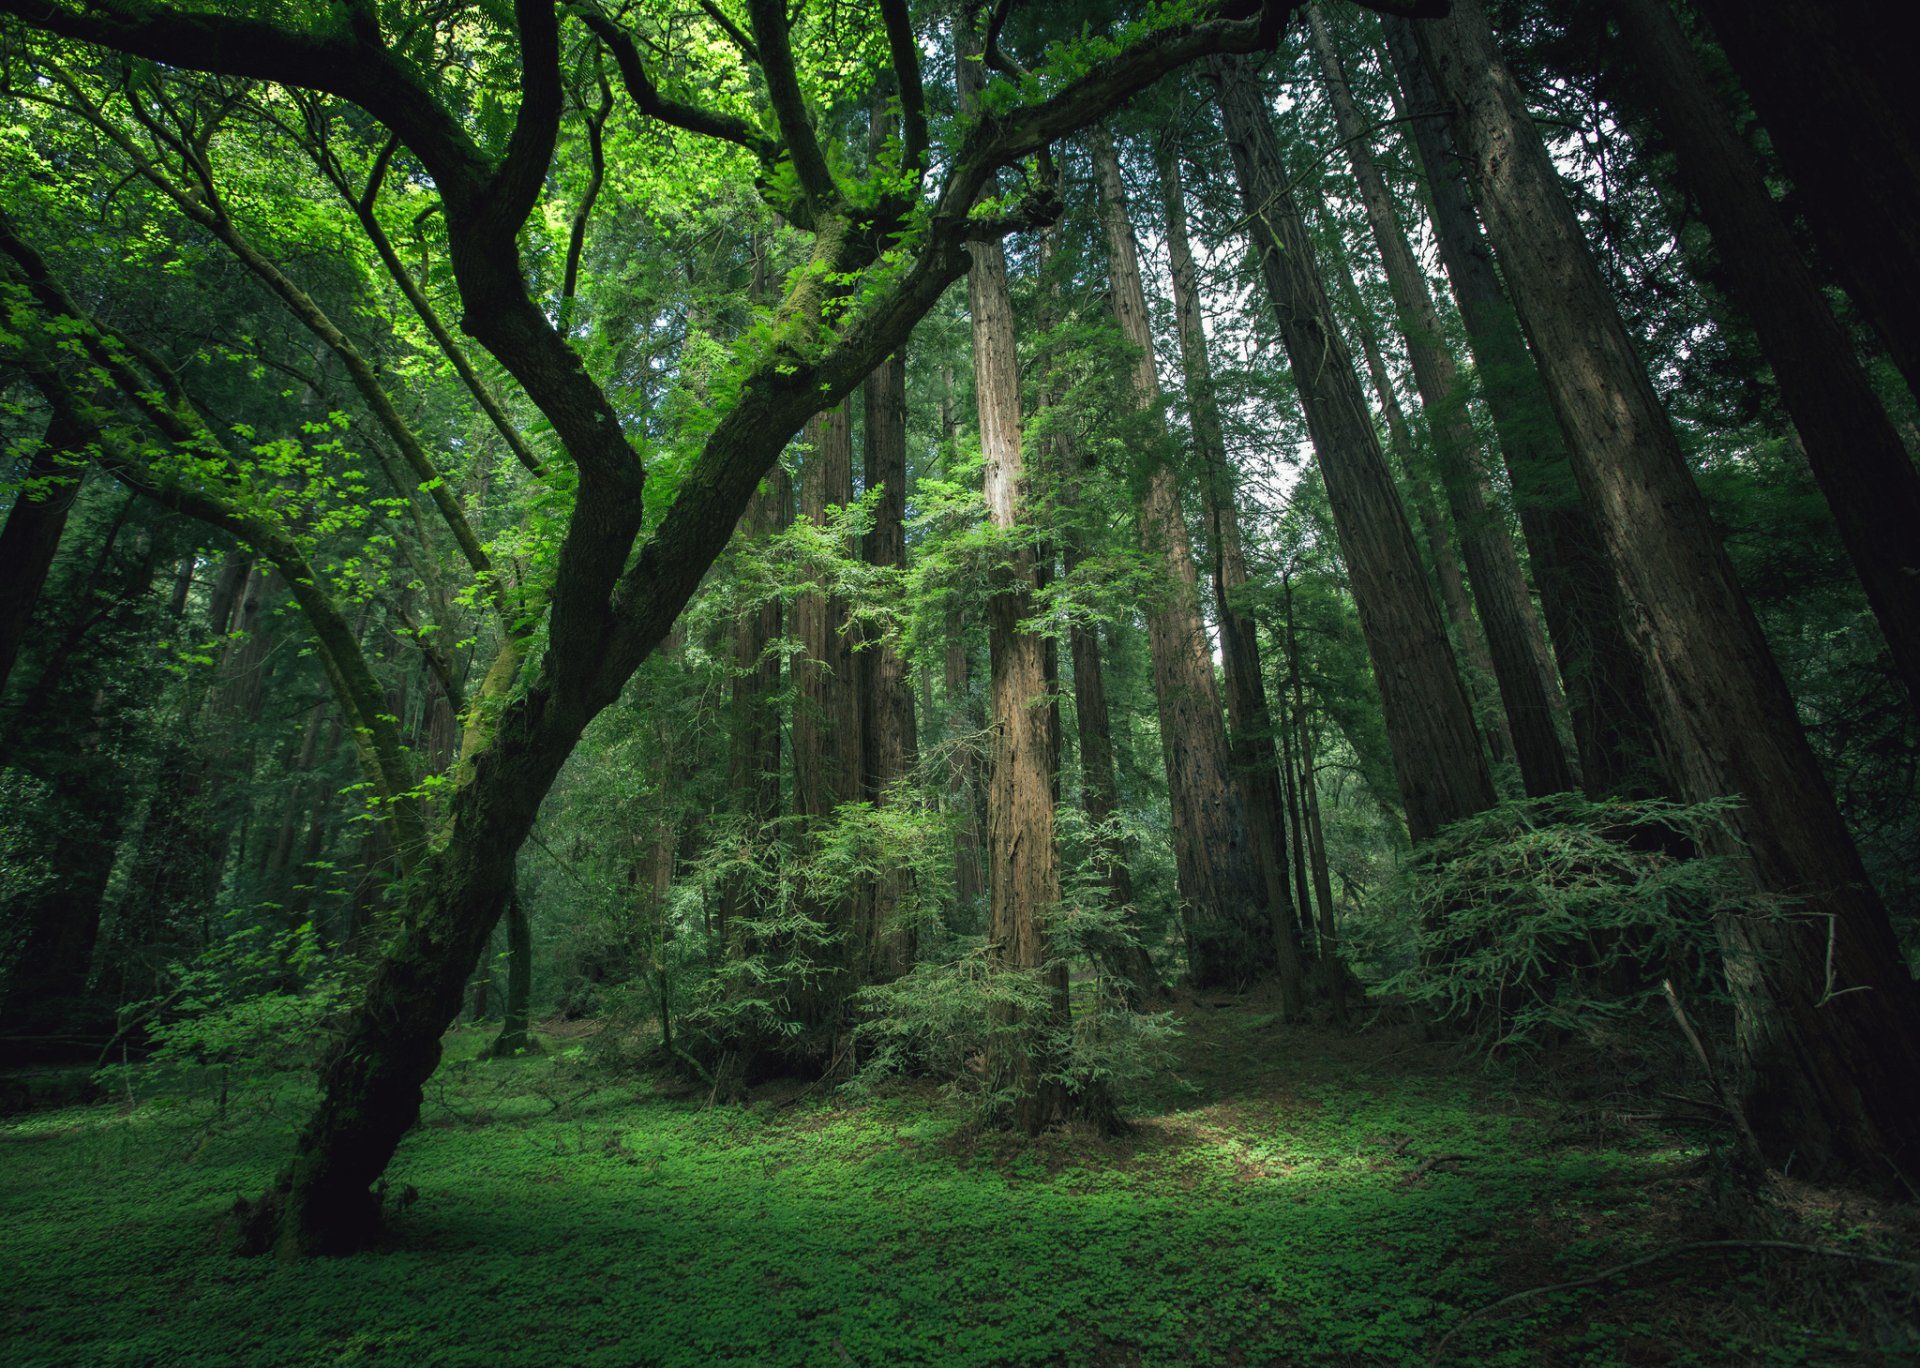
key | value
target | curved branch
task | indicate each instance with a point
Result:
(773, 37)
(646, 95)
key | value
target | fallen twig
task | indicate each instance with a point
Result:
(1645, 1259)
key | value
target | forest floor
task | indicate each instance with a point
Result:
(1292, 1196)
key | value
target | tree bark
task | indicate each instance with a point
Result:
(514, 1037)
(1857, 458)
(41, 502)
(1250, 743)
(886, 695)
(1836, 93)
(1827, 1019)
(1442, 547)
(1023, 850)
(1608, 703)
(1228, 924)
(1441, 773)
(1519, 651)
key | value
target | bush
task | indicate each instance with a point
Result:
(1554, 913)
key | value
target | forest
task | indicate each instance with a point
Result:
(1103, 682)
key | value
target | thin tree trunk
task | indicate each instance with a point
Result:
(1519, 650)
(1608, 703)
(1335, 977)
(1250, 743)
(1023, 850)
(754, 751)
(886, 694)
(1229, 929)
(1442, 548)
(1827, 1019)
(1441, 772)
(514, 1038)
(1851, 446)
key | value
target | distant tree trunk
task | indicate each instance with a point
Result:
(1442, 548)
(1130, 964)
(1437, 760)
(1612, 717)
(1250, 744)
(48, 487)
(1837, 95)
(1851, 446)
(1520, 663)
(886, 695)
(513, 1038)
(1023, 850)
(1335, 977)
(1827, 1019)
(826, 734)
(753, 760)
(1228, 927)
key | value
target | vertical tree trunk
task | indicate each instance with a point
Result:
(41, 502)
(1827, 1019)
(886, 695)
(1023, 850)
(1612, 717)
(1441, 773)
(962, 720)
(1520, 663)
(1250, 744)
(1335, 976)
(1228, 927)
(514, 1038)
(1442, 549)
(753, 757)
(1835, 90)
(1851, 446)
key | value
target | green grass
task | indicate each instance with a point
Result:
(1272, 1207)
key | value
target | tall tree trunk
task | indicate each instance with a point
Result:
(1835, 90)
(1827, 1019)
(886, 695)
(1229, 930)
(1023, 849)
(1441, 773)
(753, 760)
(42, 499)
(962, 721)
(1851, 446)
(826, 728)
(1519, 650)
(1250, 743)
(1612, 717)
(1335, 976)
(1123, 957)
(1442, 548)
(514, 1038)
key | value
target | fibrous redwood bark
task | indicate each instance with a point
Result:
(1250, 744)
(1612, 719)
(1855, 454)
(886, 696)
(1441, 773)
(1442, 546)
(1023, 850)
(1520, 665)
(1827, 1018)
(1223, 905)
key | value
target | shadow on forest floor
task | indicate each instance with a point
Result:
(1293, 1196)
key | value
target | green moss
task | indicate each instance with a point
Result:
(1267, 1212)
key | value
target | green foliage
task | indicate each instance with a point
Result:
(255, 1004)
(1555, 913)
(1275, 1210)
